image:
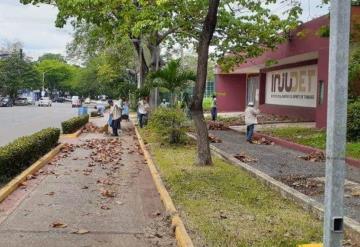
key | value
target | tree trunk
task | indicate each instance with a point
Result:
(154, 66)
(204, 154)
(143, 68)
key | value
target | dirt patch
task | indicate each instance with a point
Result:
(306, 185)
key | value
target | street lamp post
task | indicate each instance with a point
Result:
(336, 122)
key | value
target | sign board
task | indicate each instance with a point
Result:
(292, 87)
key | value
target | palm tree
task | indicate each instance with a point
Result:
(173, 77)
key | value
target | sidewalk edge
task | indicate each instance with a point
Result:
(15, 182)
(182, 237)
(75, 134)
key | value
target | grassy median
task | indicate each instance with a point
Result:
(224, 206)
(311, 137)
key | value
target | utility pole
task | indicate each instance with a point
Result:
(336, 122)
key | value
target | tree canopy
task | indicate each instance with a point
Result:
(17, 73)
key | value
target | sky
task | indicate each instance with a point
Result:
(34, 26)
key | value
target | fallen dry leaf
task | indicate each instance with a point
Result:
(105, 207)
(85, 187)
(107, 193)
(355, 192)
(57, 224)
(50, 193)
(80, 231)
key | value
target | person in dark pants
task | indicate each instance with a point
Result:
(115, 114)
(213, 108)
(250, 121)
(143, 110)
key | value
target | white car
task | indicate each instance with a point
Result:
(44, 101)
(75, 101)
(87, 101)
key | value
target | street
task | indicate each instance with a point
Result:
(18, 121)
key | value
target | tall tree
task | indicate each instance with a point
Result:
(204, 155)
(52, 56)
(18, 73)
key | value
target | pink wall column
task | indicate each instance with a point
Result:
(231, 92)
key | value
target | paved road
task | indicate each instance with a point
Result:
(24, 120)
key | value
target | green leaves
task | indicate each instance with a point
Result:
(173, 77)
(17, 73)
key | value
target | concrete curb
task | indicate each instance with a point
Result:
(310, 205)
(75, 134)
(15, 182)
(182, 237)
(300, 147)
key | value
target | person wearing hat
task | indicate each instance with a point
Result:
(250, 121)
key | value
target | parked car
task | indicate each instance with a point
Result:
(44, 101)
(21, 101)
(59, 99)
(31, 100)
(75, 101)
(87, 101)
(6, 102)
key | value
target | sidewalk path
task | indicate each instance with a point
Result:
(285, 165)
(97, 192)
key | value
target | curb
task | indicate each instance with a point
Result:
(307, 203)
(182, 237)
(15, 182)
(299, 147)
(73, 135)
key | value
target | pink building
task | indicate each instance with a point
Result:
(296, 86)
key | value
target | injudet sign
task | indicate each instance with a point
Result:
(293, 87)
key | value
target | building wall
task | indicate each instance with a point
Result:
(231, 92)
(308, 42)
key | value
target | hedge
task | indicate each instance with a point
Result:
(73, 124)
(353, 121)
(22, 152)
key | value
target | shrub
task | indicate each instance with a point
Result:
(22, 152)
(353, 121)
(73, 124)
(207, 103)
(169, 123)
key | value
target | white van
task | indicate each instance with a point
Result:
(75, 101)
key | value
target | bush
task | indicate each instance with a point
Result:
(73, 124)
(19, 154)
(169, 123)
(207, 102)
(353, 121)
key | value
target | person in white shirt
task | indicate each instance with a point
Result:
(143, 109)
(250, 121)
(115, 114)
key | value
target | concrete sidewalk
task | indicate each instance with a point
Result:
(97, 192)
(286, 166)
